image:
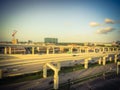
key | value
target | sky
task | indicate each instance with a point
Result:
(67, 20)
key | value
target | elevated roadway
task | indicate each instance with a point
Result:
(22, 64)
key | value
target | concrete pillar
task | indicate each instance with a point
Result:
(5, 50)
(58, 65)
(115, 58)
(110, 50)
(33, 51)
(100, 49)
(100, 61)
(53, 50)
(61, 49)
(71, 50)
(38, 49)
(9, 50)
(56, 76)
(47, 51)
(104, 60)
(103, 49)
(0, 74)
(56, 79)
(118, 63)
(86, 63)
(44, 71)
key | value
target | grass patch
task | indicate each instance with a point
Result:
(72, 68)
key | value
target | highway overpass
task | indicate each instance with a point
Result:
(12, 64)
(22, 64)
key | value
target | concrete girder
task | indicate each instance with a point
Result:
(52, 66)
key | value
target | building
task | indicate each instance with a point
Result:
(51, 40)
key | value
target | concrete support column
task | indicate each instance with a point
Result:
(53, 50)
(38, 49)
(100, 61)
(100, 49)
(107, 49)
(115, 58)
(71, 50)
(56, 79)
(86, 63)
(56, 76)
(110, 50)
(103, 49)
(61, 49)
(47, 51)
(5, 50)
(0, 74)
(58, 65)
(45, 71)
(118, 63)
(33, 51)
(104, 60)
(9, 50)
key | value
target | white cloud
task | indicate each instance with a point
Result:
(107, 20)
(105, 30)
(94, 24)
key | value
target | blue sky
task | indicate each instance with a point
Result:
(67, 20)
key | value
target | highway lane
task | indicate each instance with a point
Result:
(56, 58)
(35, 68)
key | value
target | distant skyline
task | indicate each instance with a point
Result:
(67, 20)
